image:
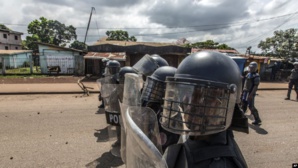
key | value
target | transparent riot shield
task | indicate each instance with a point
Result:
(146, 65)
(104, 81)
(112, 113)
(133, 85)
(130, 97)
(143, 146)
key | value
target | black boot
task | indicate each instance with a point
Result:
(255, 113)
(288, 94)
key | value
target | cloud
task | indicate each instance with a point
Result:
(236, 22)
(174, 13)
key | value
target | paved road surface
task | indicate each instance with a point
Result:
(67, 131)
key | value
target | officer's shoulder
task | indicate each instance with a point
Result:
(256, 75)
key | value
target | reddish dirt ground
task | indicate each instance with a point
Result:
(49, 79)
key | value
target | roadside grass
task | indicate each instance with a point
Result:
(8, 76)
(23, 72)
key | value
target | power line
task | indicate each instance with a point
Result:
(205, 29)
(270, 31)
(208, 25)
(177, 27)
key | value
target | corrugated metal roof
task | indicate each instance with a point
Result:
(55, 46)
(6, 29)
(12, 52)
(131, 43)
(254, 57)
(193, 50)
(110, 55)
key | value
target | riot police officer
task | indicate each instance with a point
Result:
(293, 82)
(152, 97)
(250, 88)
(112, 70)
(200, 101)
(121, 77)
(104, 63)
(109, 93)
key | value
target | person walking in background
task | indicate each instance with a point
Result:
(250, 88)
(293, 81)
(274, 69)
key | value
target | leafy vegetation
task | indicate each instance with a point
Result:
(209, 44)
(78, 45)
(48, 31)
(120, 35)
(23, 70)
(282, 44)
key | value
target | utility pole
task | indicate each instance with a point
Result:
(92, 8)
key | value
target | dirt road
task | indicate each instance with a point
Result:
(53, 131)
(275, 142)
(67, 131)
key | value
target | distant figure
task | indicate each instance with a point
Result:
(275, 68)
(293, 81)
(249, 92)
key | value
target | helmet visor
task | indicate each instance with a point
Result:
(146, 65)
(197, 107)
(111, 70)
(153, 91)
(253, 67)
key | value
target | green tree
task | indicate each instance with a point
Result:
(62, 34)
(78, 45)
(224, 47)
(49, 31)
(209, 44)
(29, 43)
(282, 44)
(120, 35)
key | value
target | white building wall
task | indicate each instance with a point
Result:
(70, 62)
(12, 42)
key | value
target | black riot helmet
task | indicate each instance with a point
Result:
(148, 64)
(295, 65)
(200, 98)
(159, 60)
(155, 85)
(112, 67)
(105, 60)
(123, 71)
(253, 67)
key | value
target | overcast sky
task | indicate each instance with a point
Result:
(238, 23)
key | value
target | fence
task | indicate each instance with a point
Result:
(41, 65)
